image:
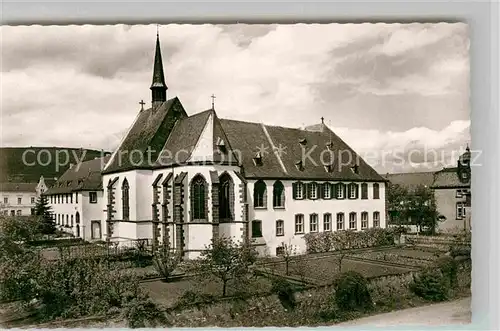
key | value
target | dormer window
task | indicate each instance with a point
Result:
(221, 144)
(328, 167)
(299, 165)
(257, 159)
(303, 141)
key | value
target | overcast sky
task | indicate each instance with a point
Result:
(381, 87)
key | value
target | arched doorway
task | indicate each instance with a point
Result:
(77, 221)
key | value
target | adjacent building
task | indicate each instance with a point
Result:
(76, 199)
(182, 180)
(18, 199)
(451, 189)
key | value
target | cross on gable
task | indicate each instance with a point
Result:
(142, 103)
(213, 101)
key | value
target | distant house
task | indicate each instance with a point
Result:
(18, 199)
(76, 199)
(451, 188)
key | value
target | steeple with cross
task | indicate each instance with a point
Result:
(158, 86)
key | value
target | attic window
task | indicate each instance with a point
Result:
(299, 165)
(221, 144)
(257, 160)
(303, 141)
(355, 169)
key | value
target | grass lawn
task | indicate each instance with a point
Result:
(325, 269)
(167, 294)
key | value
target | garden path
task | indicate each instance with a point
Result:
(452, 312)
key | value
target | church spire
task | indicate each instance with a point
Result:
(158, 86)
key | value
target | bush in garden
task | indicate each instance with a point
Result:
(351, 292)
(449, 268)
(190, 297)
(141, 312)
(430, 285)
(285, 293)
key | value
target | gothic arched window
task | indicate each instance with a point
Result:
(226, 197)
(125, 200)
(198, 198)
(260, 194)
(278, 194)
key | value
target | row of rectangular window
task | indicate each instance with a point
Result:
(315, 191)
(314, 223)
(19, 200)
(13, 212)
(311, 191)
(60, 220)
(59, 198)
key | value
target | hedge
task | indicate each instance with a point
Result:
(321, 242)
(58, 242)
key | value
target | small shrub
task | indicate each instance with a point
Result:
(430, 285)
(141, 312)
(190, 297)
(285, 293)
(351, 292)
(449, 268)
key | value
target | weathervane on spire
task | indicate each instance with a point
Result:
(213, 101)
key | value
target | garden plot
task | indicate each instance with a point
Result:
(325, 269)
(167, 293)
(404, 256)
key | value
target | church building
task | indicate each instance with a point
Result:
(183, 178)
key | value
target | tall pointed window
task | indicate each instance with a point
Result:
(125, 200)
(198, 197)
(260, 194)
(226, 197)
(278, 195)
(376, 191)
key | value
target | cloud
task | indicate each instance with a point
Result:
(418, 148)
(80, 85)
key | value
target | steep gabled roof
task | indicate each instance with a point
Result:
(186, 136)
(18, 187)
(182, 139)
(448, 178)
(411, 179)
(151, 129)
(291, 145)
(85, 176)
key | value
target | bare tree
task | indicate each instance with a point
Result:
(287, 252)
(342, 241)
(226, 260)
(165, 261)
